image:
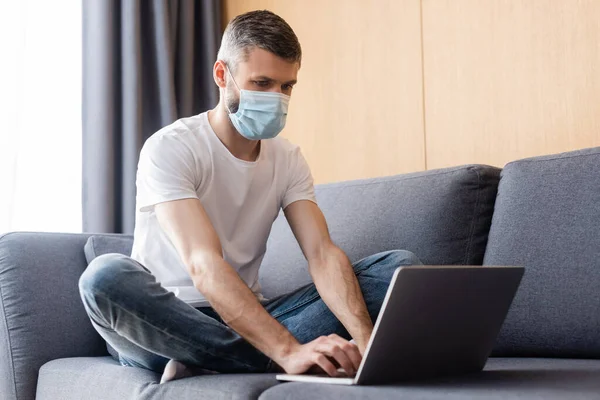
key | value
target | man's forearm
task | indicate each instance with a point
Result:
(240, 309)
(336, 283)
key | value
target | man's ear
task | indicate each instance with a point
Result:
(219, 74)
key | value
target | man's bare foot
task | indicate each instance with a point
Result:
(177, 370)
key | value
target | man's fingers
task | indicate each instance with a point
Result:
(351, 350)
(333, 350)
(325, 364)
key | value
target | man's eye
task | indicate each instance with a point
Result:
(287, 87)
(261, 83)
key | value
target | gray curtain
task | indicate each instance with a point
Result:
(146, 63)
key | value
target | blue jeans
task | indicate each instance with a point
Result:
(148, 325)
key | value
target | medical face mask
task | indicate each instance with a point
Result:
(260, 115)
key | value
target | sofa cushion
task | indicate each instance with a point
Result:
(508, 378)
(547, 219)
(443, 216)
(102, 378)
(103, 244)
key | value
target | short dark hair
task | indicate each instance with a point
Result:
(262, 29)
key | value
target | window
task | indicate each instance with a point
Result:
(40, 115)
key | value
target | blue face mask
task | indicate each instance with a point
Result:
(260, 115)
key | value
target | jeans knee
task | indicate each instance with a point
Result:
(103, 273)
(404, 258)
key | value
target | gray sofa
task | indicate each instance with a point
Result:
(542, 213)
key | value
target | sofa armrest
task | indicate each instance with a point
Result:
(41, 314)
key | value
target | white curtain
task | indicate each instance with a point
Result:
(40, 115)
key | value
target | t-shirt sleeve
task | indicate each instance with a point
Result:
(300, 181)
(166, 172)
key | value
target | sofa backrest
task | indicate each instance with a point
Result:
(443, 216)
(547, 219)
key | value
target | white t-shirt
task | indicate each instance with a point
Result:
(242, 199)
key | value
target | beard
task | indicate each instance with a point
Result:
(232, 99)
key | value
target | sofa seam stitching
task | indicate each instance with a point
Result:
(400, 178)
(10, 348)
(551, 158)
(6, 234)
(470, 243)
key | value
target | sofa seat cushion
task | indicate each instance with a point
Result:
(103, 378)
(547, 219)
(502, 378)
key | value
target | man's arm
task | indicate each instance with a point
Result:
(331, 270)
(188, 227)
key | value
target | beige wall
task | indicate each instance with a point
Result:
(393, 86)
(510, 79)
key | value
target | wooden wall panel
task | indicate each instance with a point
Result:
(357, 110)
(510, 79)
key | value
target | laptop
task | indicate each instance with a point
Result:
(435, 321)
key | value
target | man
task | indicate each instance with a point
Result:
(208, 190)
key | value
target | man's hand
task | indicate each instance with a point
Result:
(326, 352)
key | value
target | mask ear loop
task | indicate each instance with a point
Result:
(236, 85)
(233, 79)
